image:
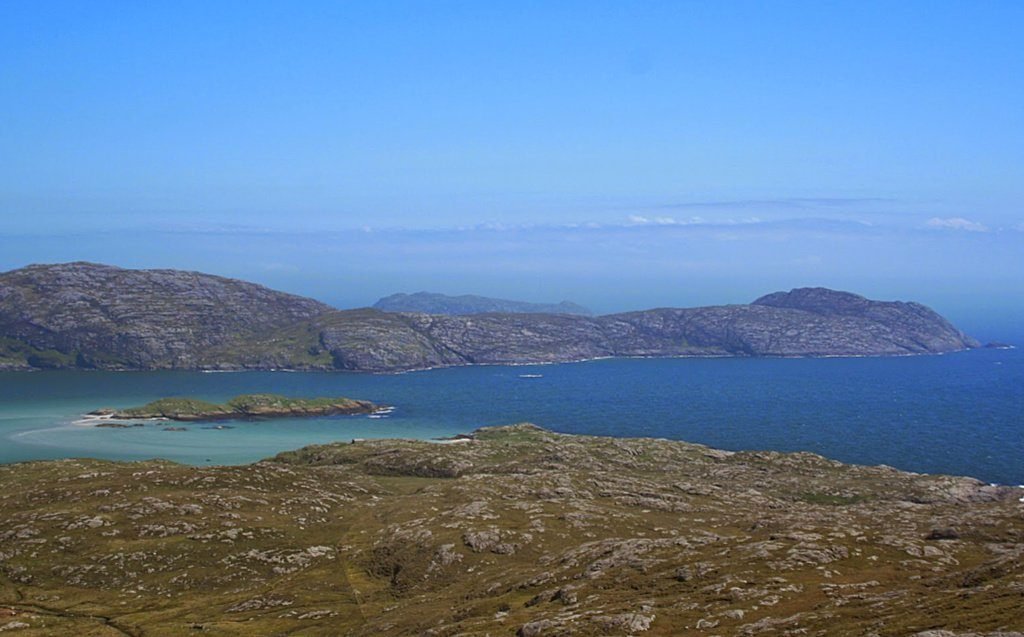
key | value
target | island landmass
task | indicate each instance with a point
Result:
(246, 406)
(89, 316)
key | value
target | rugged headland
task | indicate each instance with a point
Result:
(82, 315)
(518, 531)
(246, 406)
(433, 303)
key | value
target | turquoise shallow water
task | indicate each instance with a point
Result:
(958, 413)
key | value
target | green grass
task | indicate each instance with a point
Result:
(18, 352)
(294, 347)
(173, 406)
(249, 402)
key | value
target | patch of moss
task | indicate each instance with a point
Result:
(15, 351)
(294, 347)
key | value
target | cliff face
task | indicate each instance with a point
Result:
(432, 303)
(84, 315)
(518, 531)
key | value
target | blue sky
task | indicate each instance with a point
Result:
(619, 154)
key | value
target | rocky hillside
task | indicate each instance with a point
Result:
(518, 531)
(89, 315)
(84, 315)
(379, 341)
(432, 303)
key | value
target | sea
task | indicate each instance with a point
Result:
(960, 413)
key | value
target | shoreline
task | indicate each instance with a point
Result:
(458, 439)
(324, 370)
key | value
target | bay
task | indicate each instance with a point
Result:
(956, 414)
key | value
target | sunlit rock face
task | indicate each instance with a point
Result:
(87, 315)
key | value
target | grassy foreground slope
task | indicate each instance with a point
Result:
(519, 531)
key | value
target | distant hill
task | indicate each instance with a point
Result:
(91, 315)
(433, 303)
(84, 315)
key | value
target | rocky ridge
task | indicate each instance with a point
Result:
(90, 316)
(517, 531)
(369, 340)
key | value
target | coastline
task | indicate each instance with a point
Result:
(473, 436)
(703, 400)
(331, 370)
(468, 437)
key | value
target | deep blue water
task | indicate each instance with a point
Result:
(959, 413)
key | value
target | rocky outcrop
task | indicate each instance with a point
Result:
(433, 303)
(909, 325)
(515, 531)
(83, 315)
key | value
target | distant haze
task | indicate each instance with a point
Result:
(620, 155)
(434, 303)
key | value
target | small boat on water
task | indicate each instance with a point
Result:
(531, 376)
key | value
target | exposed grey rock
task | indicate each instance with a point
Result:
(86, 315)
(625, 623)
(535, 629)
(103, 316)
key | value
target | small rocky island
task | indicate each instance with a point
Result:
(247, 406)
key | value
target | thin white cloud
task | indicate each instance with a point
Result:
(956, 223)
(782, 202)
(639, 220)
